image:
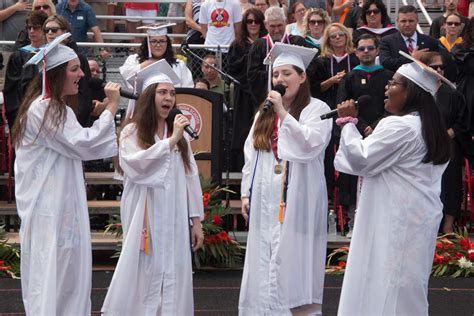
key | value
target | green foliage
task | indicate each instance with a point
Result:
(9, 257)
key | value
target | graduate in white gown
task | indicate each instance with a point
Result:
(284, 152)
(162, 196)
(399, 208)
(50, 192)
(156, 46)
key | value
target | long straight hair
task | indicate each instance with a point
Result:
(266, 120)
(432, 124)
(55, 113)
(145, 119)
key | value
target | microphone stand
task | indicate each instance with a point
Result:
(228, 115)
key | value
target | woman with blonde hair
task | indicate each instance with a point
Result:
(47, 6)
(314, 23)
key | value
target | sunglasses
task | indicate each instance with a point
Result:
(316, 22)
(374, 12)
(337, 34)
(453, 23)
(370, 48)
(437, 67)
(53, 30)
(42, 7)
(33, 27)
(250, 21)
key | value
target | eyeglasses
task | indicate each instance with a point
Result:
(437, 67)
(42, 7)
(392, 83)
(337, 34)
(370, 48)
(33, 27)
(453, 23)
(250, 21)
(374, 12)
(53, 30)
(300, 10)
(158, 43)
(316, 22)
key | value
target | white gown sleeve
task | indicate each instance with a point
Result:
(185, 75)
(304, 140)
(74, 141)
(144, 166)
(388, 144)
(130, 67)
(249, 157)
(193, 188)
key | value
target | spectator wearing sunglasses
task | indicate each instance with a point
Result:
(375, 20)
(16, 77)
(436, 28)
(365, 79)
(314, 23)
(453, 26)
(453, 109)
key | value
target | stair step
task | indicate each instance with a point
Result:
(95, 207)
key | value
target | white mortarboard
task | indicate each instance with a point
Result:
(52, 55)
(158, 72)
(155, 30)
(422, 75)
(286, 54)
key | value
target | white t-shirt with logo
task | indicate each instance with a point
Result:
(220, 18)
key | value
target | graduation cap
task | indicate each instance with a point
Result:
(158, 72)
(155, 30)
(422, 75)
(52, 55)
(286, 54)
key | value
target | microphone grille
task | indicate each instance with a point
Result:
(281, 89)
(96, 83)
(172, 114)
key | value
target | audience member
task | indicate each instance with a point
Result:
(452, 106)
(453, 25)
(365, 79)
(262, 5)
(82, 18)
(194, 34)
(375, 20)
(340, 9)
(141, 9)
(94, 68)
(436, 28)
(314, 23)
(211, 75)
(407, 40)
(352, 20)
(245, 5)
(201, 83)
(315, 4)
(176, 10)
(297, 12)
(99, 101)
(12, 18)
(252, 28)
(17, 78)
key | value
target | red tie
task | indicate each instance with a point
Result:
(410, 45)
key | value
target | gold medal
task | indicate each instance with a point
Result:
(278, 169)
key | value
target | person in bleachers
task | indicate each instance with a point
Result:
(315, 22)
(375, 20)
(436, 28)
(408, 40)
(201, 83)
(297, 11)
(194, 34)
(156, 46)
(352, 20)
(162, 198)
(50, 194)
(257, 72)
(141, 9)
(82, 18)
(211, 75)
(365, 79)
(262, 5)
(17, 78)
(453, 25)
(453, 109)
(252, 28)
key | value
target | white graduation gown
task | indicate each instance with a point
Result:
(284, 264)
(398, 215)
(52, 205)
(159, 283)
(132, 66)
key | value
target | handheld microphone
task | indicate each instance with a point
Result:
(188, 129)
(97, 84)
(362, 100)
(281, 89)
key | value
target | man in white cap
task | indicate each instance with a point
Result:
(162, 195)
(50, 193)
(399, 209)
(284, 195)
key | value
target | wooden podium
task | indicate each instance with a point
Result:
(204, 109)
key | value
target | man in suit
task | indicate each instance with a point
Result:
(406, 39)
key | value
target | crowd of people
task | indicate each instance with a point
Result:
(393, 162)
